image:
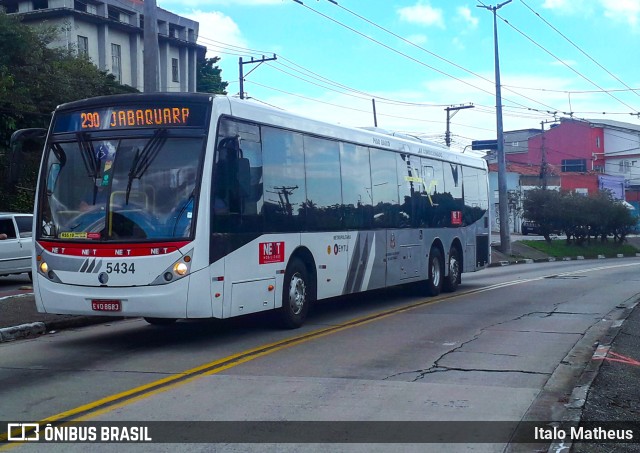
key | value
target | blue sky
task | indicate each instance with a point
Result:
(416, 57)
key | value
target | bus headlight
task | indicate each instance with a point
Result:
(44, 267)
(179, 269)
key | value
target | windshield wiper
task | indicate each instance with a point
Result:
(90, 160)
(145, 157)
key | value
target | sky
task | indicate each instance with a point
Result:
(558, 58)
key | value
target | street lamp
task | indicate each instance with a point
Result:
(503, 208)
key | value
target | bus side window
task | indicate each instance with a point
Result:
(227, 187)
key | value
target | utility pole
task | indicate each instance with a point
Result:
(252, 61)
(447, 136)
(503, 206)
(151, 49)
(543, 160)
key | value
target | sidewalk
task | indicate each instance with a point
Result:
(19, 317)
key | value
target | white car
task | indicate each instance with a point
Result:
(15, 243)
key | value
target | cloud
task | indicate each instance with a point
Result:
(464, 13)
(569, 7)
(422, 13)
(623, 11)
(226, 30)
(168, 4)
(417, 39)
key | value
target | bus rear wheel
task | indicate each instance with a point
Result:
(452, 280)
(296, 295)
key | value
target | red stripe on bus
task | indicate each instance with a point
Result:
(112, 250)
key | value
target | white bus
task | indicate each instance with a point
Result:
(174, 206)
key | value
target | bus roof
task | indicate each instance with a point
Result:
(260, 113)
(379, 138)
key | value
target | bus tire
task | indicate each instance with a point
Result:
(452, 280)
(160, 321)
(436, 272)
(296, 295)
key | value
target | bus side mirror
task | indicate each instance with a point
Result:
(23, 141)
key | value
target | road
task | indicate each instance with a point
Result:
(508, 346)
(10, 283)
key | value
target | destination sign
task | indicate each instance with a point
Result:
(126, 117)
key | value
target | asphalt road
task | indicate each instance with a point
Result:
(514, 349)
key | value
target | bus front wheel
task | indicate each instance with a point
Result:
(296, 295)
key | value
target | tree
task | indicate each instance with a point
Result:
(209, 79)
(34, 79)
(579, 216)
(544, 207)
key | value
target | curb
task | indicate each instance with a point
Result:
(34, 329)
(578, 398)
(552, 259)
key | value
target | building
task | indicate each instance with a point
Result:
(584, 156)
(110, 33)
(515, 143)
(519, 178)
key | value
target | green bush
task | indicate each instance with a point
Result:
(580, 217)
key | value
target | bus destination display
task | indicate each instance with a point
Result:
(105, 118)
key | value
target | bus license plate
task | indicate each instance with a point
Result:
(106, 305)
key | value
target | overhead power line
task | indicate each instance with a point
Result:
(422, 63)
(579, 49)
(440, 57)
(565, 64)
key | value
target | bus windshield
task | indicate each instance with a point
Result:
(114, 188)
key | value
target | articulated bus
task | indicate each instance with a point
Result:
(174, 206)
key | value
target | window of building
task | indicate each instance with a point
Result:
(116, 61)
(79, 6)
(175, 72)
(83, 46)
(597, 142)
(574, 165)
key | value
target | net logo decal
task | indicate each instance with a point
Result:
(271, 252)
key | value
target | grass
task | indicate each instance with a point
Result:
(559, 248)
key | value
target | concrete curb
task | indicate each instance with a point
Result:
(552, 259)
(34, 329)
(575, 406)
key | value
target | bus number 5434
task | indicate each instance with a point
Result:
(120, 268)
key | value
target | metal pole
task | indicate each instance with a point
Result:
(241, 79)
(447, 135)
(375, 117)
(503, 201)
